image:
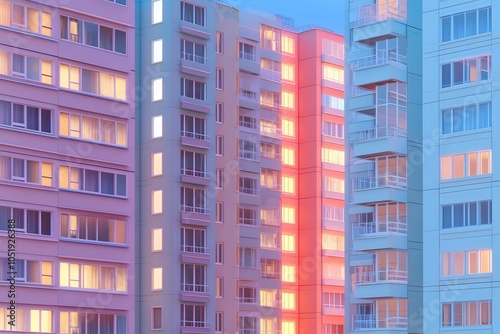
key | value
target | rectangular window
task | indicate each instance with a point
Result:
(270, 100)
(157, 279)
(333, 184)
(219, 112)
(270, 269)
(247, 52)
(83, 276)
(270, 178)
(287, 44)
(288, 184)
(467, 118)
(193, 200)
(194, 277)
(219, 287)
(157, 202)
(193, 51)
(288, 243)
(269, 297)
(247, 216)
(219, 145)
(466, 214)
(72, 322)
(288, 214)
(465, 24)
(27, 221)
(27, 171)
(194, 315)
(288, 156)
(27, 320)
(466, 165)
(156, 164)
(157, 129)
(219, 78)
(93, 228)
(219, 253)
(21, 17)
(287, 100)
(93, 129)
(270, 38)
(93, 181)
(288, 273)
(288, 300)
(331, 129)
(288, 128)
(248, 150)
(193, 89)
(156, 318)
(192, 13)
(219, 42)
(34, 272)
(247, 295)
(157, 52)
(270, 69)
(469, 313)
(332, 156)
(156, 11)
(334, 74)
(26, 67)
(156, 239)
(25, 117)
(193, 127)
(219, 178)
(157, 89)
(469, 262)
(287, 72)
(333, 48)
(193, 164)
(92, 34)
(248, 257)
(332, 102)
(219, 323)
(466, 71)
(248, 185)
(193, 240)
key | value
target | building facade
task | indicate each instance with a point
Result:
(240, 140)
(67, 154)
(384, 169)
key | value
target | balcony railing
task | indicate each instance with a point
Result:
(270, 154)
(194, 58)
(195, 135)
(247, 300)
(248, 221)
(380, 132)
(191, 172)
(270, 74)
(363, 229)
(248, 56)
(267, 130)
(382, 275)
(196, 209)
(193, 287)
(247, 331)
(194, 249)
(247, 124)
(248, 95)
(195, 323)
(249, 191)
(382, 57)
(370, 321)
(270, 275)
(374, 13)
(391, 181)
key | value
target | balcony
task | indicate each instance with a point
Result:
(385, 282)
(248, 99)
(249, 63)
(334, 84)
(195, 293)
(195, 139)
(333, 310)
(379, 141)
(194, 65)
(195, 254)
(270, 75)
(369, 322)
(194, 327)
(193, 104)
(382, 67)
(194, 177)
(270, 130)
(333, 57)
(333, 224)
(362, 100)
(193, 215)
(380, 189)
(195, 30)
(379, 235)
(378, 21)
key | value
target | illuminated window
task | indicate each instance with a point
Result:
(81, 227)
(332, 156)
(157, 89)
(157, 206)
(268, 297)
(288, 100)
(470, 313)
(334, 74)
(157, 11)
(287, 128)
(288, 243)
(269, 38)
(157, 164)
(288, 300)
(157, 126)
(287, 72)
(288, 273)
(333, 242)
(72, 322)
(157, 240)
(192, 13)
(287, 44)
(288, 214)
(288, 327)
(288, 156)
(157, 279)
(469, 262)
(465, 164)
(83, 276)
(288, 184)
(157, 51)
(333, 184)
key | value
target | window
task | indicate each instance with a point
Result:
(219, 212)
(192, 13)
(332, 102)
(270, 69)
(27, 320)
(219, 145)
(247, 52)
(270, 216)
(25, 18)
(465, 24)
(268, 150)
(269, 38)
(193, 51)
(30, 68)
(332, 241)
(157, 51)
(247, 216)
(248, 324)
(219, 287)
(333, 329)
(247, 295)
(288, 100)
(333, 300)
(193, 127)
(248, 185)
(193, 164)
(93, 129)
(288, 128)
(156, 11)
(334, 74)
(193, 89)
(219, 253)
(25, 117)
(193, 315)
(288, 273)
(27, 221)
(269, 297)
(248, 257)
(71, 322)
(333, 184)
(156, 164)
(26, 171)
(93, 82)
(219, 78)
(468, 118)
(219, 112)
(465, 164)
(288, 243)
(219, 323)
(332, 129)
(83, 276)
(469, 262)
(288, 184)
(35, 272)
(156, 318)
(467, 214)
(93, 181)
(470, 313)
(92, 34)
(157, 202)
(332, 156)
(288, 156)
(288, 300)
(157, 90)
(248, 150)
(270, 99)
(156, 239)
(219, 42)
(157, 279)
(93, 228)
(219, 178)
(288, 327)
(157, 127)
(466, 71)
(334, 49)
(193, 240)
(269, 239)
(121, 2)
(270, 178)
(287, 44)
(288, 214)
(270, 269)
(287, 72)
(193, 200)
(194, 277)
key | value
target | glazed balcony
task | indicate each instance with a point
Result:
(249, 99)
(384, 282)
(369, 322)
(379, 141)
(249, 63)
(198, 177)
(379, 235)
(382, 67)
(385, 188)
(194, 64)
(270, 75)
(195, 139)
(379, 21)
(194, 215)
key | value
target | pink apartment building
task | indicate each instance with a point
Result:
(67, 165)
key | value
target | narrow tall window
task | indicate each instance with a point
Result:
(157, 11)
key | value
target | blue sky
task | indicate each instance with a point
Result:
(324, 13)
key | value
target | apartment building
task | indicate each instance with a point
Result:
(460, 286)
(241, 180)
(385, 170)
(67, 166)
